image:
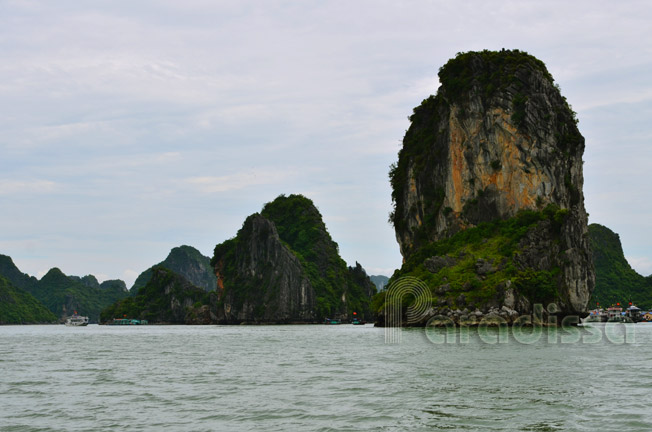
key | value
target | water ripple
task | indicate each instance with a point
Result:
(312, 378)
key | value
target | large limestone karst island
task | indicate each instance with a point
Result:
(489, 210)
(284, 267)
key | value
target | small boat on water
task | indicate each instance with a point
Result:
(126, 321)
(332, 321)
(356, 320)
(77, 321)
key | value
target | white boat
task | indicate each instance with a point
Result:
(77, 321)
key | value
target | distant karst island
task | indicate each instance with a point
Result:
(282, 267)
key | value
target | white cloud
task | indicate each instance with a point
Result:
(11, 187)
(241, 180)
(70, 130)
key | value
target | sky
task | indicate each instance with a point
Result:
(128, 128)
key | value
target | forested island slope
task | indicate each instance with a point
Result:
(187, 262)
(17, 306)
(64, 295)
(615, 280)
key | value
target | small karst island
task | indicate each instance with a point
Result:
(488, 214)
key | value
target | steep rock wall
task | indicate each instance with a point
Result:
(267, 281)
(498, 138)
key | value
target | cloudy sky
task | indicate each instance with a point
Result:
(130, 127)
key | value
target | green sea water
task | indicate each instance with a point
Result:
(317, 378)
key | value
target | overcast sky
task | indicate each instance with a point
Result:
(130, 127)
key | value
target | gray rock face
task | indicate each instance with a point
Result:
(114, 284)
(436, 263)
(497, 138)
(171, 299)
(284, 267)
(569, 251)
(271, 284)
(483, 267)
(88, 281)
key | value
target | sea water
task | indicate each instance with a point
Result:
(318, 378)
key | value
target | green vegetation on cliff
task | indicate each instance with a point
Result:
(499, 71)
(474, 268)
(19, 307)
(18, 279)
(187, 262)
(64, 295)
(166, 298)
(615, 280)
(419, 146)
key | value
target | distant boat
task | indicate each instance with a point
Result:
(634, 313)
(77, 321)
(357, 321)
(332, 321)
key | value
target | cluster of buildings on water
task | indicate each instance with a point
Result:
(617, 314)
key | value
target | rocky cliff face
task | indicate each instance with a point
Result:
(283, 267)
(266, 279)
(497, 139)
